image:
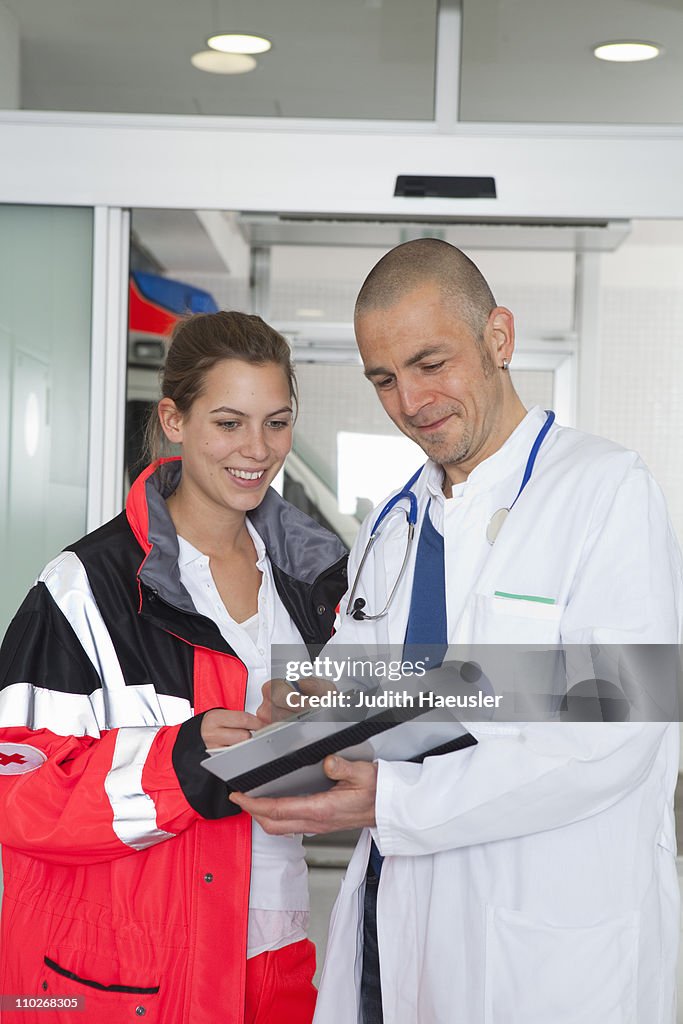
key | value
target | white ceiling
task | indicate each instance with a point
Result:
(176, 240)
(527, 60)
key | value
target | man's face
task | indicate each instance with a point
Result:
(439, 384)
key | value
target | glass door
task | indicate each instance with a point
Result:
(45, 344)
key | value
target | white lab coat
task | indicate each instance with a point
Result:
(530, 879)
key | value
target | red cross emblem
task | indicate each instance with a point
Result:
(12, 759)
(18, 758)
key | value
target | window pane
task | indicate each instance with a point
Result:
(532, 61)
(356, 59)
(534, 387)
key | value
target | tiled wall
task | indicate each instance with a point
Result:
(641, 381)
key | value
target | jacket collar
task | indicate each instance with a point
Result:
(296, 544)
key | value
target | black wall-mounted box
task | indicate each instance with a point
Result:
(439, 187)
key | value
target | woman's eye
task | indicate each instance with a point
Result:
(228, 424)
(278, 424)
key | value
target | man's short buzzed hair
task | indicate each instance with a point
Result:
(429, 260)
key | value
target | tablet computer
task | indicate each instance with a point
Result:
(285, 759)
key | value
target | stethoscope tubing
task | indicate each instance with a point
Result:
(405, 492)
(355, 608)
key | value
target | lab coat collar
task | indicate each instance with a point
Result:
(508, 459)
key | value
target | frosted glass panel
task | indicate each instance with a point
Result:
(641, 375)
(532, 61)
(359, 58)
(45, 308)
(534, 387)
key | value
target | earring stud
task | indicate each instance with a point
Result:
(505, 365)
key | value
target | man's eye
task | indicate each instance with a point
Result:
(386, 382)
(432, 367)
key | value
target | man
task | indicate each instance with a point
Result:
(530, 878)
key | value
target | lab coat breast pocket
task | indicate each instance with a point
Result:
(537, 973)
(507, 620)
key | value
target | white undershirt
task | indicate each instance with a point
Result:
(278, 894)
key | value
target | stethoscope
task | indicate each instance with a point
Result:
(355, 607)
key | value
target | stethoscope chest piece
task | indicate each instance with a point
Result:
(496, 524)
(498, 518)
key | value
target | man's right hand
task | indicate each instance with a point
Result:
(223, 728)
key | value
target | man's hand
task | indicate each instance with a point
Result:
(276, 707)
(349, 804)
(223, 728)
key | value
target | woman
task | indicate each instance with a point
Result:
(131, 880)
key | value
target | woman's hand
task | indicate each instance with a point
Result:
(223, 728)
(281, 701)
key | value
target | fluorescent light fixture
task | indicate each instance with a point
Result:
(223, 63)
(239, 44)
(309, 311)
(625, 50)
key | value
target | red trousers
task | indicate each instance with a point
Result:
(280, 985)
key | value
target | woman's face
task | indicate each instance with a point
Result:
(236, 435)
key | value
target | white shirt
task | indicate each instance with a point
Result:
(278, 895)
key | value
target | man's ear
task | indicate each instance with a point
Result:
(171, 420)
(500, 335)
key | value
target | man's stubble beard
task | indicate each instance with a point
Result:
(447, 452)
(459, 451)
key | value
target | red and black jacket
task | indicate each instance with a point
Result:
(126, 866)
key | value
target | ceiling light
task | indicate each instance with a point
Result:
(239, 44)
(626, 50)
(223, 63)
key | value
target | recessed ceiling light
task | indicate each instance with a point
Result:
(624, 50)
(223, 63)
(239, 44)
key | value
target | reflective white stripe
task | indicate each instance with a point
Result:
(67, 714)
(66, 579)
(135, 821)
(76, 714)
(116, 705)
(174, 709)
(138, 705)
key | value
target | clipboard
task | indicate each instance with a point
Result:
(285, 759)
